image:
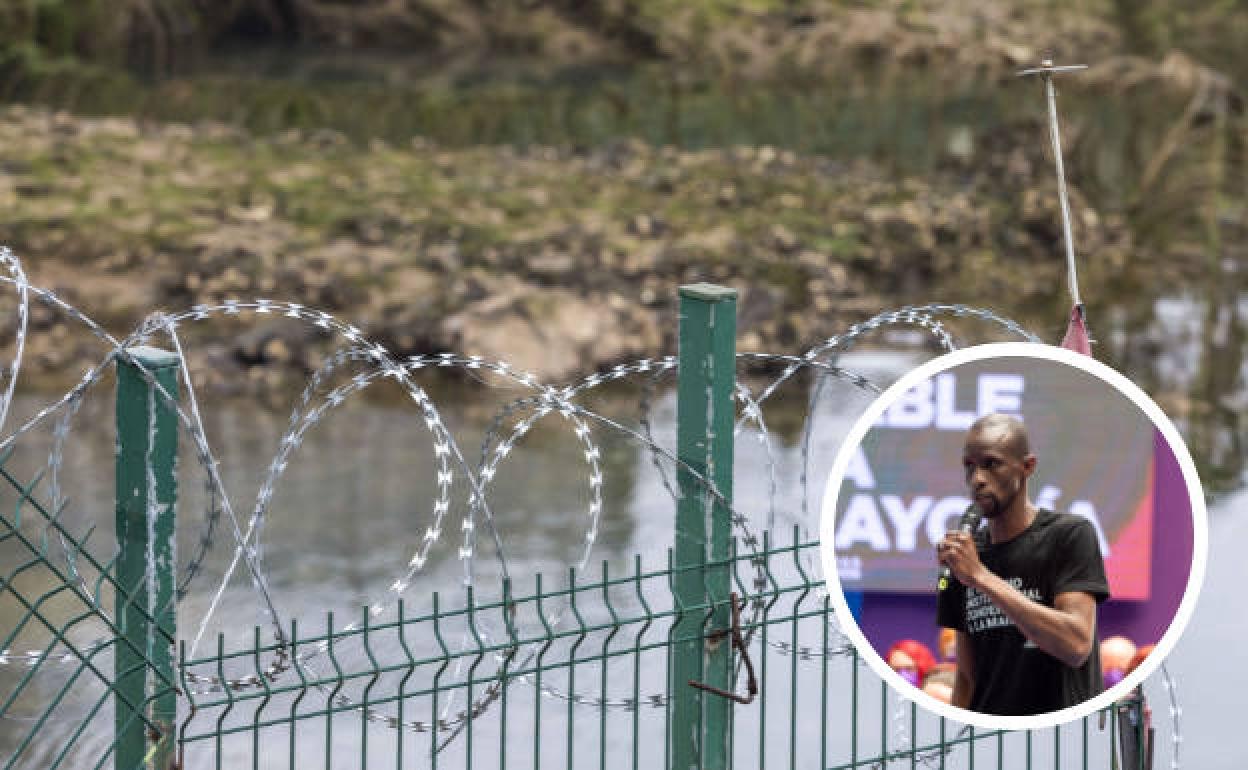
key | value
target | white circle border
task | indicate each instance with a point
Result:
(1200, 533)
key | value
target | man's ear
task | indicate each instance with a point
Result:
(1029, 465)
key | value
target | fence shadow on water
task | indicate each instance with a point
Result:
(587, 668)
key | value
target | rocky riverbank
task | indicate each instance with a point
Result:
(557, 260)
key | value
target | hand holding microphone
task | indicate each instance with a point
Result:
(967, 525)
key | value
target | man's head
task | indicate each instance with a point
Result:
(997, 462)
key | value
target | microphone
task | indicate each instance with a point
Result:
(967, 524)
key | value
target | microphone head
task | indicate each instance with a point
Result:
(971, 518)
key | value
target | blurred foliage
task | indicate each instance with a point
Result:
(1213, 32)
(160, 36)
(146, 35)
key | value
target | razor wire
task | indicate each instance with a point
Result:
(252, 554)
(312, 406)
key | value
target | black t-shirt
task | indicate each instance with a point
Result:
(1057, 554)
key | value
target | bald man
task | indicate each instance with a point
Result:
(1025, 590)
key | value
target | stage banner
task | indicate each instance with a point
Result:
(905, 487)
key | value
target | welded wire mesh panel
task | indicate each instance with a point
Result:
(573, 673)
(59, 642)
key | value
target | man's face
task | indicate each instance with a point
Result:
(995, 473)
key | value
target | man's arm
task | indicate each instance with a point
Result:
(964, 678)
(1064, 630)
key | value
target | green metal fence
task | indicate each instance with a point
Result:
(723, 652)
(590, 691)
(98, 633)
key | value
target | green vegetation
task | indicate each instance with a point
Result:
(744, 37)
(212, 213)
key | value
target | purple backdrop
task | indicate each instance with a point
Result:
(886, 618)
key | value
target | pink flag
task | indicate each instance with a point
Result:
(1076, 338)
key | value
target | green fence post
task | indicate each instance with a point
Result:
(147, 448)
(705, 417)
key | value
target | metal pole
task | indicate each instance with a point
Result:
(704, 416)
(147, 450)
(1047, 70)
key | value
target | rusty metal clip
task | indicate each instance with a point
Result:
(738, 643)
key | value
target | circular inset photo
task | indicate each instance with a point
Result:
(1014, 536)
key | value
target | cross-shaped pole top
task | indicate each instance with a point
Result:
(1048, 69)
